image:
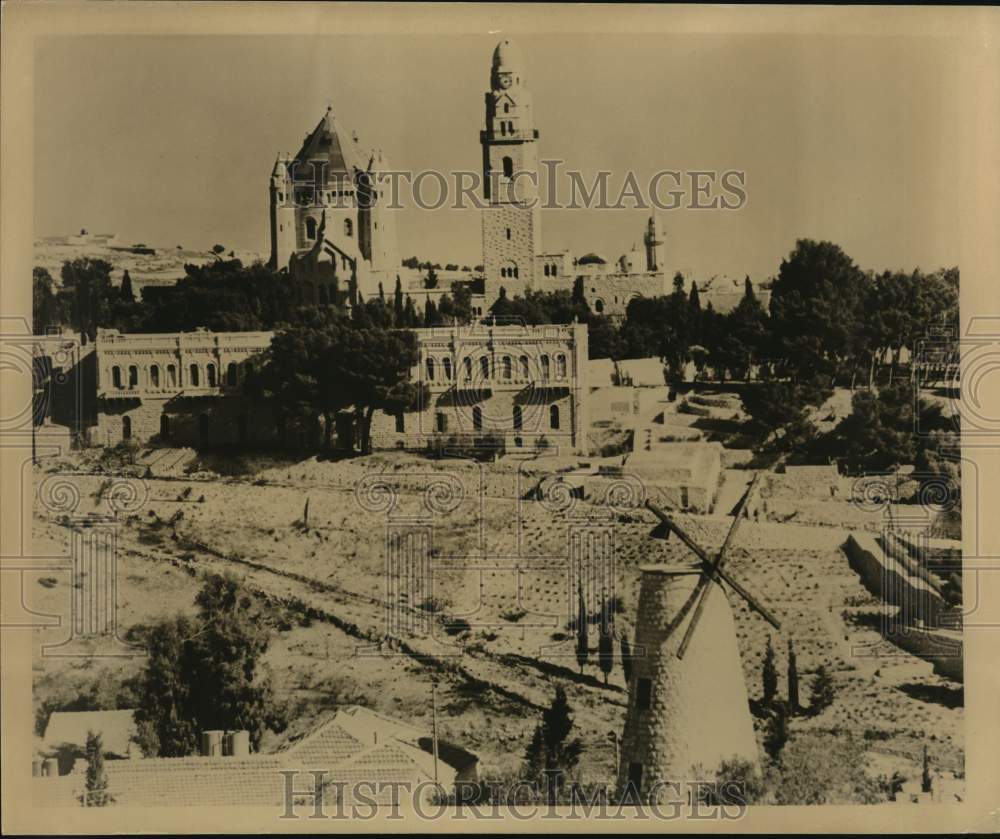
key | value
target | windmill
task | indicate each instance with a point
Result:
(713, 571)
(688, 707)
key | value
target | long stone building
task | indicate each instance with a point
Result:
(525, 386)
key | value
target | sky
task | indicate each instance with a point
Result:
(170, 140)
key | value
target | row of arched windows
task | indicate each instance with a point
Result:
(509, 271)
(167, 376)
(503, 370)
(311, 228)
(506, 127)
(551, 271)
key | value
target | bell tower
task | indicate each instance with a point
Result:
(512, 221)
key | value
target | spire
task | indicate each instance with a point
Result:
(328, 146)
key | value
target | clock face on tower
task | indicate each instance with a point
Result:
(505, 80)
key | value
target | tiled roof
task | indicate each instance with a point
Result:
(327, 142)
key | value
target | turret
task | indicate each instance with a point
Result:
(282, 215)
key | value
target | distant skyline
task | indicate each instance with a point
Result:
(170, 140)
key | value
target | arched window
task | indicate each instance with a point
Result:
(484, 367)
(510, 127)
(508, 167)
(598, 305)
(348, 227)
(116, 377)
(446, 364)
(503, 128)
(164, 427)
(561, 366)
(231, 373)
(515, 271)
(154, 375)
(441, 422)
(211, 375)
(203, 428)
(477, 418)
(554, 417)
(468, 368)
(545, 367)
(133, 376)
(507, 367)
(524, 367)
(171, 375)
(546, 270)
(310, 228)
(517, 418)
(195, 379)
(126, 428)
(506, 108)
(508, 233)
(430, 369)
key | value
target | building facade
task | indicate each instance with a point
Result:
(524, 385)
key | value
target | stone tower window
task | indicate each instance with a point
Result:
(517, 417)
(126, 428)
(195, 376)
(546, 270)
(508, 234)
(348, 227)
(116, 377)
(477, 418)
(506, 108)
(554, 417)
(310, 228)
(154, 375)
(133, 376)
(446, 364)
(643, 694)
(171, 376)
(598, 306)
(507, 367)
(561, 366)
(508, 167)
(524, 367)
(503, 128)
(430, 369)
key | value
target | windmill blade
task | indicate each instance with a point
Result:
(716, 566)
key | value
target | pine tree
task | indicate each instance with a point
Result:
(96, 790)
(822, 692)
(793, 680)
(770, 675)
(626, 660)
(606, 642)
(582, 641)
(126, 290)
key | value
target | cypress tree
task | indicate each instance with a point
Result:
(793, 680)
(582, 641)
(821, 695)
(606, 642)
(397, 302)
(770, 675)
(96, 789)
(126, 290)
(626, 660)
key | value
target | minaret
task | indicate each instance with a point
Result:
(654, 244)
(282, 215)
(512, 222)
(377, 223)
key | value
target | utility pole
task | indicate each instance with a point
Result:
(434, 728)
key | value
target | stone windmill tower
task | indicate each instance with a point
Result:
(688, 707)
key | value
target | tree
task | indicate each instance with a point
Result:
(128, 296)
(603, 338)
(397, 301)
(770, 675)
(431, 317)
(926, 782)
(96, 786)
(47, 308)
(606, 642)
(431, 280)
(626, 659)
(552, 754)
(822, 691)
(207, 673)
(582, 626)
(218, 250)
(793, 680)
(87, 282)
(777, 732)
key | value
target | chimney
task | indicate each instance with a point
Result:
(211, 743)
